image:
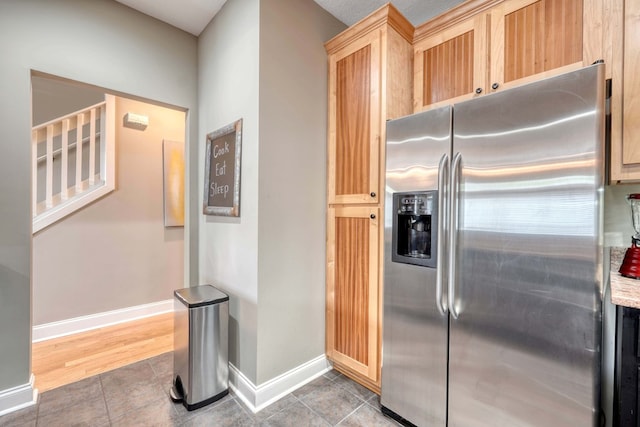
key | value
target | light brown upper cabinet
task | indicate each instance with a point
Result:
(631, 84)
(623, 38)
(451, 65)
(480, 47)
(369, 82)
(354, 149)
(533, 39)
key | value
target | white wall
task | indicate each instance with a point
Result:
(116, 252)
(100, 42)
(292, 183)
(264, 61)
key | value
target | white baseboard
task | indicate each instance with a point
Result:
(259, 397)
(16, 398)
(51, 330)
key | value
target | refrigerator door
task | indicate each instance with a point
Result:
(527, 266)
(414, 366)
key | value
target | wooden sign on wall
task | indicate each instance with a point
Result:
(222, 171)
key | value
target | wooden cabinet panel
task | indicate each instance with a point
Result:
(352, 288)
(523, 42)
(535, 39)
(631, 83)
(354, 111)
(397, 83)
(542, 36)
(449, 69)
(450, 65)
(623, 30)
(353, 123)
(563, 29)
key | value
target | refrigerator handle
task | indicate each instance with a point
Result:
(443, 220)
(453, 230)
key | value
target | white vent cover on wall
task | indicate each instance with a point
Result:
(136, 121)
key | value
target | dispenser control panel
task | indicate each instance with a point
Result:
(417, 204)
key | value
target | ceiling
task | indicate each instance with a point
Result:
(416, 11)
(193, 16)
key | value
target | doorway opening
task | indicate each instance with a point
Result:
(120, 257)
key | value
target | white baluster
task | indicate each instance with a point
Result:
(92, 148)
(49, 170)
(79, 124)
(108, 141)
(103, 142)
(64, 181)
(34, 172)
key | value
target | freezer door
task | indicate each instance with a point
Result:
(527, 266)
(414, 366)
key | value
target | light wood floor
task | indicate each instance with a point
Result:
(64, 360)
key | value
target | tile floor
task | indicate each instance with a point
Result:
(137, 395)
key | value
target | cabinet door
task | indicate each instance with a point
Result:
(631, 84)
(624, 30)
(352, 289)
(451, 65)
(354, 122)
(535, 39)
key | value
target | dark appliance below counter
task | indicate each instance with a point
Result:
(627, 381)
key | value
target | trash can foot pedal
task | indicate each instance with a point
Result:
(174, 396)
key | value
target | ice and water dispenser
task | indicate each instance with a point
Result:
(415, 228)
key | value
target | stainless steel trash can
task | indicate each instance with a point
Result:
(201, 346)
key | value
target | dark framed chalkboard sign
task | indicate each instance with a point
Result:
(222, 171)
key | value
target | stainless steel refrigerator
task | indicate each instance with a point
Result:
(493, 274)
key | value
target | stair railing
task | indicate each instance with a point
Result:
(73, 162)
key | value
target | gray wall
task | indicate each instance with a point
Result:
(292, 183)
(115, 253)
(265, 62)
(53, 98)
(228, 70)
(99, 42)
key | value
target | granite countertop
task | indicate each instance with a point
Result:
(624, 291)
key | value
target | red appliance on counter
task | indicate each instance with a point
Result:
(631, 263)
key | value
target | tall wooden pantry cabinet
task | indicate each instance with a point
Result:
(370, 81)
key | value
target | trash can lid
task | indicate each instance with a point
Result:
(199, 296)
